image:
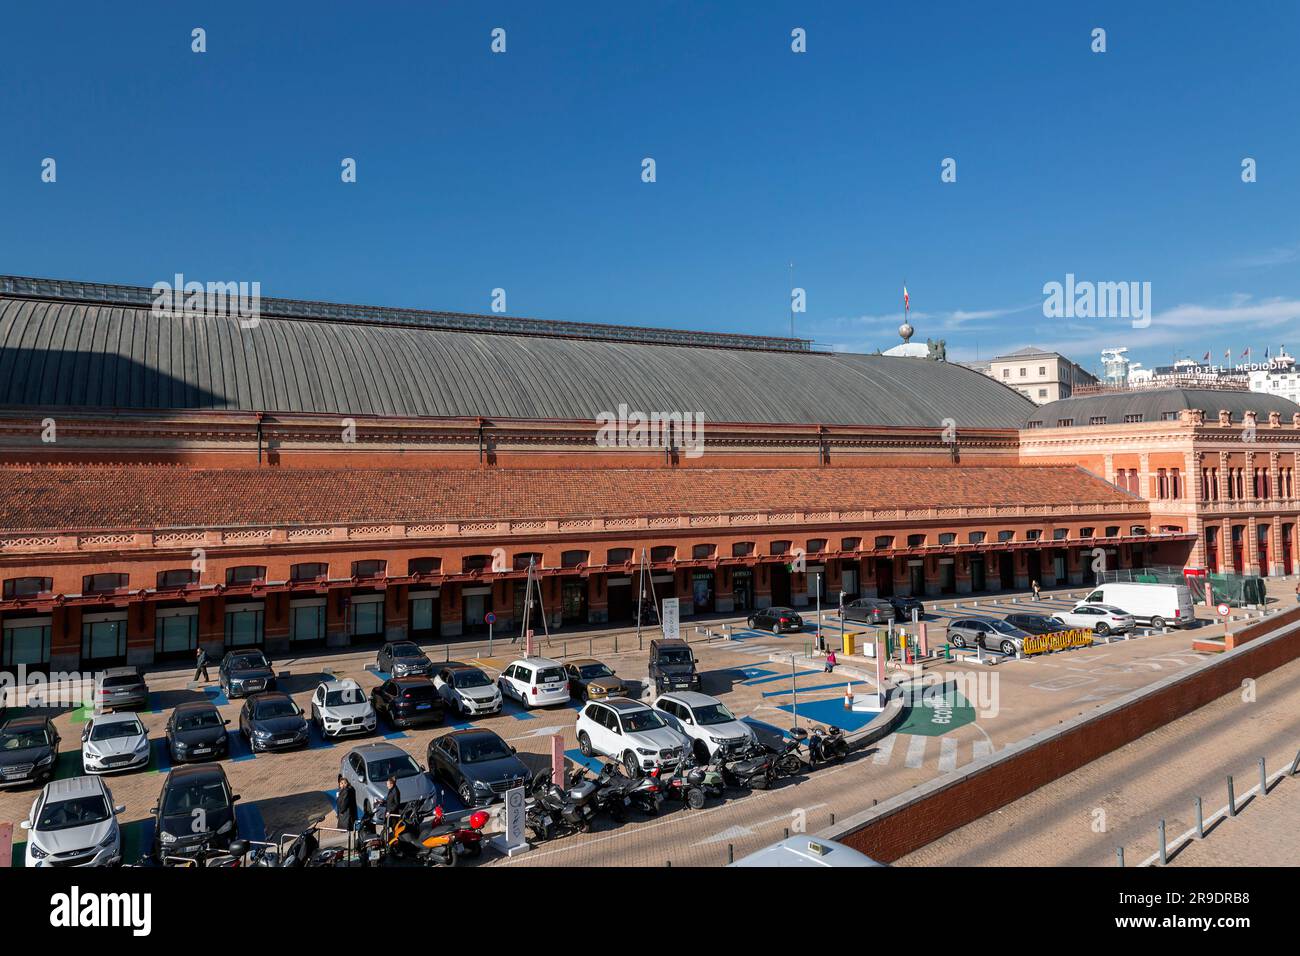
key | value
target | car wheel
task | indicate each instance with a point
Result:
(632, 765)
(1009, 648)
(584, 744)
(466, 794)
(1157, 622)
(701, 752)
(1102, 628)
(957, 640)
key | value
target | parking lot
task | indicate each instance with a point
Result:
(752, 673)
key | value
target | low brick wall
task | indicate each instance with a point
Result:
(924, 814)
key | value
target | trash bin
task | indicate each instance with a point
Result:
(850, 643)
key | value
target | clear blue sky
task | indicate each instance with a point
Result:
(522, 170)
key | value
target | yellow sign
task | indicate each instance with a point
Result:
(1056, 641)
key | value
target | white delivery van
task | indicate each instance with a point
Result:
(1160, 605)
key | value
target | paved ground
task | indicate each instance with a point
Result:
(285, 792)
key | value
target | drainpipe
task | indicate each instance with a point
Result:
(259, 437)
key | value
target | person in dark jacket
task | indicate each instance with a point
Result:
(392, 802)
(201, 665)
(346, 805)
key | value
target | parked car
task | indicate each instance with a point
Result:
(991, 633)
(403, 659)
(407, 701)
(195, 809)
(113, 742)
(467, 690)
(368, 767)
(535, 682)
(706, 721)
(29, 750)
(1036, 623)
(197, 731)
(272, 721)
(1101, 618)
(589, 678)
(340, 707)
(245, 672)
(477, 764)
(903, 606)
(775, 619)
(629, 731)
(74, 823)
(120, 688)
(672, 666)
(1160, 605)
(870, 611)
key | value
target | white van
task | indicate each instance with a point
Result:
(1160, 605)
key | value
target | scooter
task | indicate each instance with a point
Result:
(834, 747)
(685, 783)
(750, 767)
(612, 792)
(570, 807)
(429, 838)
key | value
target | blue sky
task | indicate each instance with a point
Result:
(523, 170)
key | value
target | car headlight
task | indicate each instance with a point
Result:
(36, 851)
(45, 761)
(107, 842)
(167, 837)
(646, 753)
(142, 745)
(718, 740)
(482, 785)
(261, 733)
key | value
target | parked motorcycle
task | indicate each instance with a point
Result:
(827, 745)
(612, 791)
(686, 783)
(747, 766)
(558, 808)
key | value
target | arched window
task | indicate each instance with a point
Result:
(424, 566)
(618, 556)
(370, 568)
(850, 544)
(103, 583)
(816, 545)
(948, 538)
(884, 541)
(704, 551)
(780, 547)
(26, 587)
(522, 560)
(309, 571)
(916, 540)
(177, 578)
(245, 574)
(665, 552)
(976, 537)
(571, 559)
(742, 549)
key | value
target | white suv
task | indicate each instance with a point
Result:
(1101, 618)
(705, 720)
(467, 690)
(74, 823)
(340, 707)
(629, 731)
(535, 682)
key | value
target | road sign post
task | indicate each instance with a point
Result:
(670, 615)
(491, 619)
(512, 841)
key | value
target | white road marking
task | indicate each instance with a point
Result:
(916, 752)
(982, 748)
(947, 754)
(884, 750)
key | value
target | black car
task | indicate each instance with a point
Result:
(406, 701)
(272, 721)
(1036, 623)
(904, 606)
(245, 672)
(403, 659)
(195, 810)
(29, 749)
(870, 611)
(672, 666)
(197, 731)
(477, 764)
(776, 620)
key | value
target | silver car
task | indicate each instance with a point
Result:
(74, 823)
(991, 633)
(368, 768)
(113, 742)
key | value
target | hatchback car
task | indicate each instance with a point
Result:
(272, 721)
(870, 611)
(904, 605)
(407, 701)
(1101, 618)
(535, 682)
(113, 742)
(29, 749)
(706, 721)
(121, 688)
(1036, 623)
(590, 679)
(195, 810)
(197, 731)
(629, 731)
(368, 767)
(477, 764)
(245, 672)
(403, 659)
(990, 633)
(778, 620)
(340, 707)
(672, 666)
(74, 823)
(467, 690)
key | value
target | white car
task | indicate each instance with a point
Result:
(74, 823)
(629, 731)
(341, 707)
(467, 690)
(705, 720)
(535, 682)
(113, 742)
(1102, 618)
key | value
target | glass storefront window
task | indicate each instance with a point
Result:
(243, 628)
(307, 623)
(103, 639)
(176, 634)
(422, 614)
(26, 644)
(367, 619)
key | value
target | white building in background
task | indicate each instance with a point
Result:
(1038, 374)
(1279, 378)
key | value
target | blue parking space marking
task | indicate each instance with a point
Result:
(395, 735)
(804, 690)
(460, 725)
(769, 729)
(831, 712)
(160, 756)
(382, 675)
(217, 695)
(768, 680)
(239, 749)
(249, 822)
(316, 740)
(591, 763)
(520, 715)
(155, 703)
(751, 672)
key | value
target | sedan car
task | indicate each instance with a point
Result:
(340, 707)
(1101, 618)
(29, 749)
(272, 721)
(904, 605)
(1036, 623)
(113, 742)
(403, 659)
(121, 688)
(870, 611)
(197, 731)
(467, 690)
(776, 620)
(477, 764)
(245, 672)
(368, 768)
(706, 721)
(407, 701)
(590, 678)
(990, 633)
(74, 823)
(195, 810)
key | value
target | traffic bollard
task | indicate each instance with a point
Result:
(1200, 820)
(1119, 855)
(1263, 778)
(1232, 798)
(1164, 850)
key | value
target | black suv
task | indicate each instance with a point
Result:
(776, 620)
(406, 701)
(672, 666)
(245, 672)
(29, 749)
(195, 812)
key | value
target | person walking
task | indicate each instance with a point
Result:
(831, 662)
(345, 807)
(392, 803)
(1038, 591)
(201, 665)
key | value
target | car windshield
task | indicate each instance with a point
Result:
(121, 680)
(381, 768)
(22, 739)
(482, 749)
(1003, 627)
(267, 709)
(116, 730)
(1053, 622)
(407, 650)
(343, 696)
(675, 655)
(186, 797)
(471, 678)
(199, 720)
(641, 720)
(712, 714)
(77, 812)
(548, 675)
(248, 662)
(592, 671)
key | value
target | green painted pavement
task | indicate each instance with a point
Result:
(940, 710)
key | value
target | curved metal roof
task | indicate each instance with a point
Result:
(1152, 403)
(55, 353)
